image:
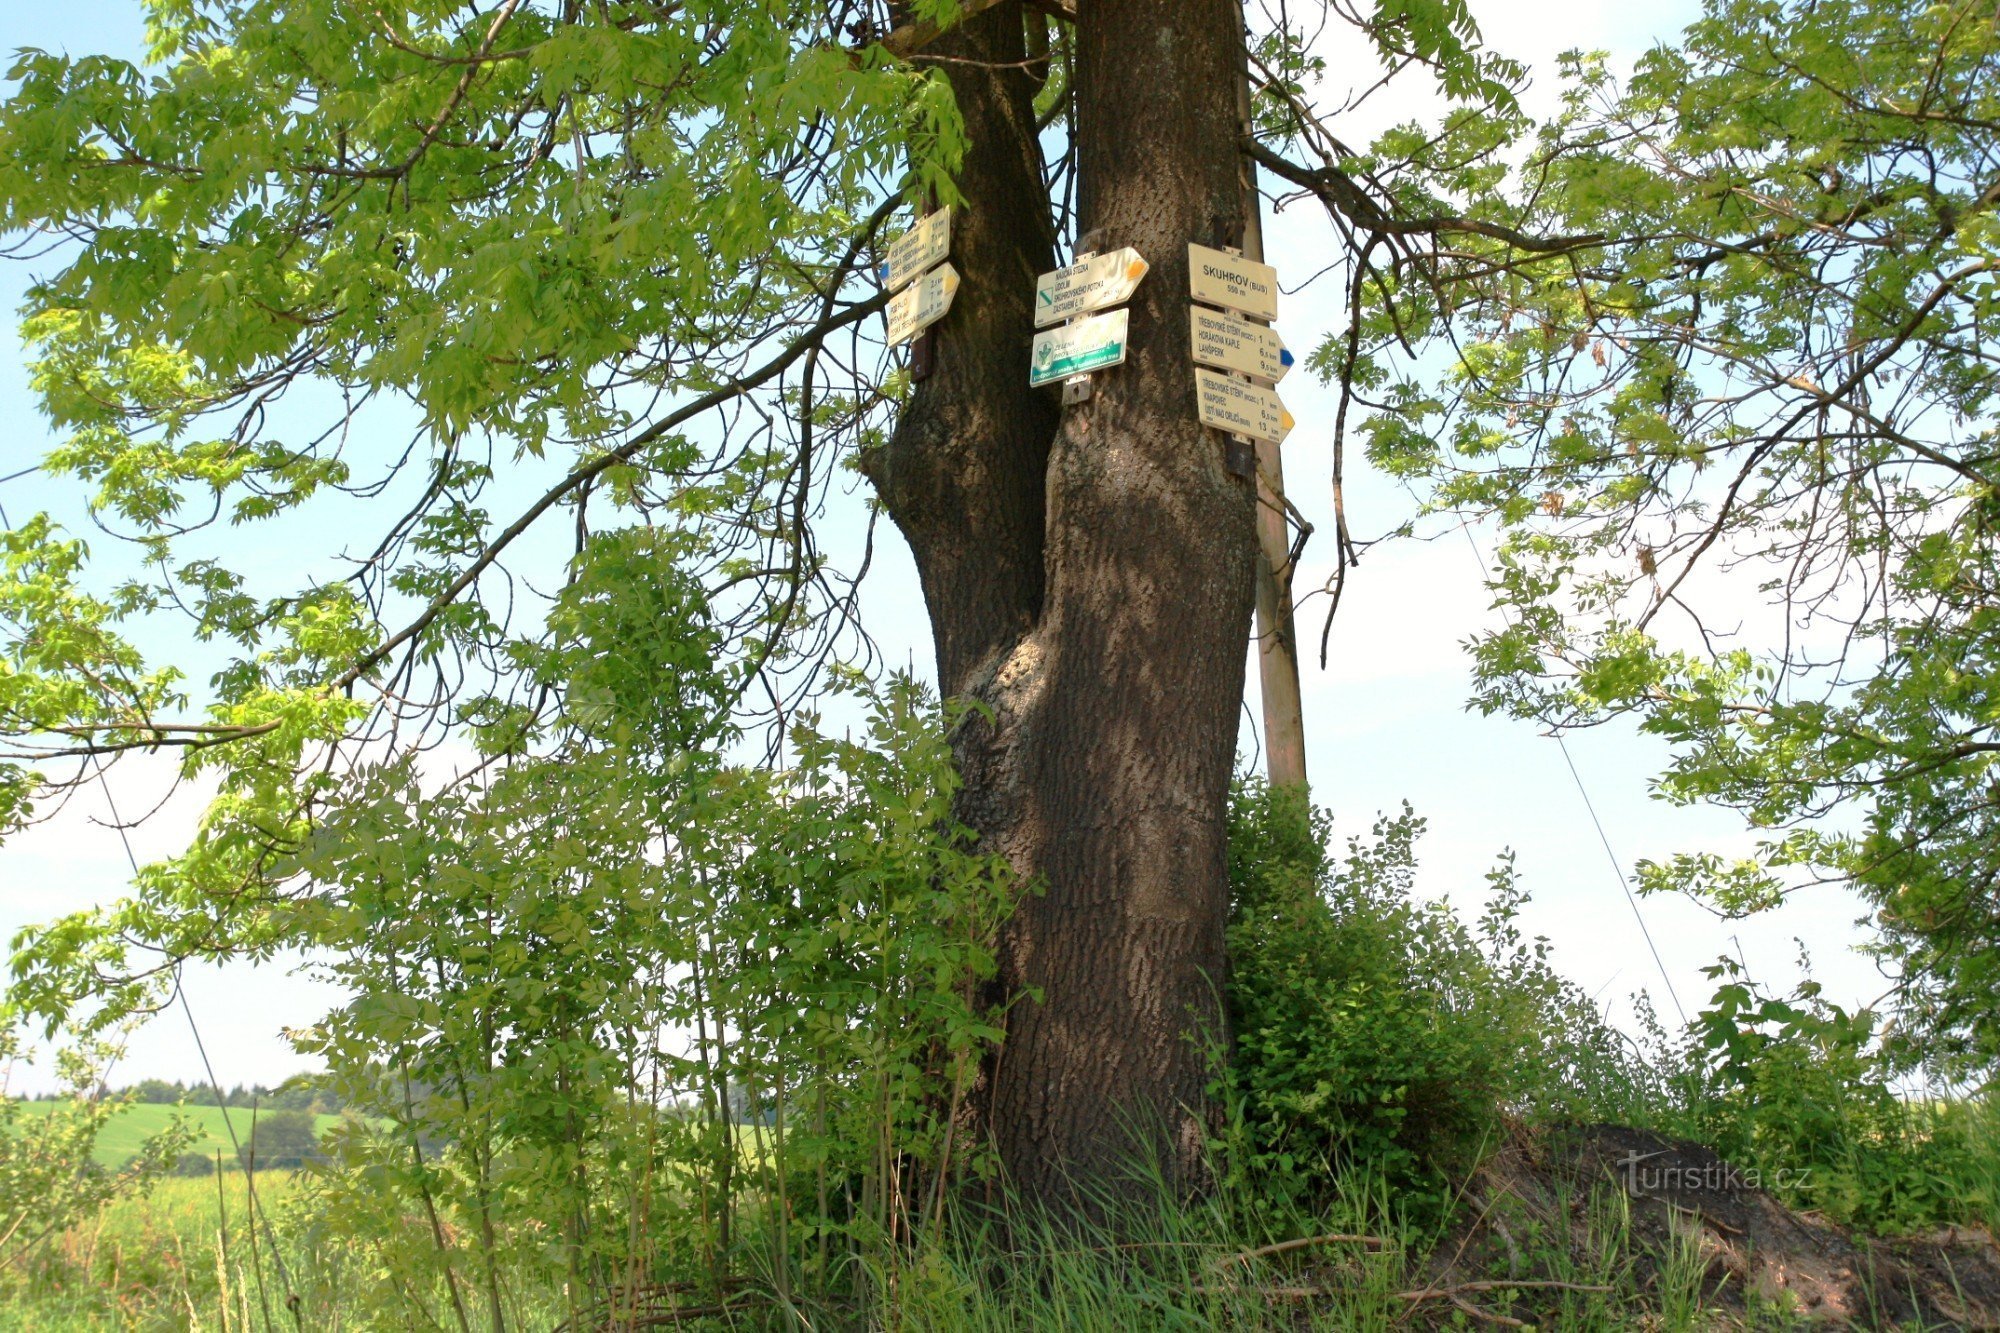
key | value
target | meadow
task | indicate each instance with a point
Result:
(180, 1255)
(130, 1127)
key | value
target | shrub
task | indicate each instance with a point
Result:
(630, 1010)
(1375, 1031)
(1798, 1088)
(194, 1164)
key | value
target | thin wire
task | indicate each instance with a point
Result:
(1618, 869)
(6, 522)
(1617, 866)
(201, 1048)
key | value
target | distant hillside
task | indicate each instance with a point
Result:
(133, 1125)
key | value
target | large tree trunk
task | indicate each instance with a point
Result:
(1095, 593)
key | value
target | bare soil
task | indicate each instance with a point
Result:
(1540, 1209)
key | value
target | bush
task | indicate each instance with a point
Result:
(194, 1164)
(1798, 1089)
(1376, 1032)
(812, 943)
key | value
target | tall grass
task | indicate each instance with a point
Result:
(179, 1258)
(180, 1255)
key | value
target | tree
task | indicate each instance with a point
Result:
(1057, 599)
(1739, 435)
(281, 1140)
(458, 280)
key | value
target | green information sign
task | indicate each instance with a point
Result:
(1078, 348)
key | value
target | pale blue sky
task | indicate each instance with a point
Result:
(1385, 721)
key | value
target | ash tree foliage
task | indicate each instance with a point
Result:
(328, 269)
(1736, 430)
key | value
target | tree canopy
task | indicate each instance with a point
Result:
(428, 276)
(411, 289)
(1738, 434)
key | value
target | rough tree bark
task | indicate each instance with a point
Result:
(1090, 579)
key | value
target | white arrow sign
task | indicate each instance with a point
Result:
(1234, 343)
(1240, 407)
(1233, 282)
(1078, 348)
(917, 249)
(1096, 282)
(921, 304)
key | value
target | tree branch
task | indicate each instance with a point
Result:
(1338, 191)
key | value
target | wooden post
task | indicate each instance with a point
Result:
(1277, 639)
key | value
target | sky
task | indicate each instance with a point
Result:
(1385, 719)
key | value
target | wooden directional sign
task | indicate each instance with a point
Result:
(917, 249)
(1240, 407)
(921, 304)
(1233, 282)
(1231, 342)
(1099, 281)
(1079, 347)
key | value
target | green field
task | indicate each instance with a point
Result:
(133, 1125)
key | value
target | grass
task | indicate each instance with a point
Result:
(180, 1257)
(131, 1126)
(160, 1261)
(155, 1261)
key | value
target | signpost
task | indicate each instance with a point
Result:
(1233, 282)
(1242, 403)
(1277, 634)
(1240, 407)
(1079, 347)
(1082, 344)
(1089, 284)
(921, 304)
(916, 250)
(1230, 342)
